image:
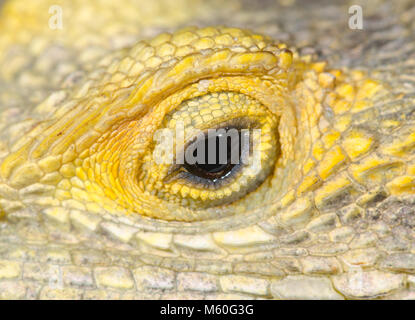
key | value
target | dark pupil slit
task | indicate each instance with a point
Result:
(214, 167)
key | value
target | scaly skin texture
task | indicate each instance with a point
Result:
(86, 214)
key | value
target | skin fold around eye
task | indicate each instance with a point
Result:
(96, 148)
(101, 147)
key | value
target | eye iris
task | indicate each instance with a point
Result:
(215, 156)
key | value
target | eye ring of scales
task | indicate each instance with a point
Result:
(336, 206)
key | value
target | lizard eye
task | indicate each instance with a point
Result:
(214, 156)
(223, 145)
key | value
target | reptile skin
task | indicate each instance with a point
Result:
(86, 214)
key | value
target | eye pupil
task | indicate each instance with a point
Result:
(218, 164)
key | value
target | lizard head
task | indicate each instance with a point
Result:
(98, 159)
